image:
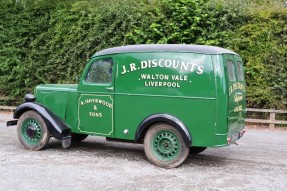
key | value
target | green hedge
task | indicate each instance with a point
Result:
(50, 41)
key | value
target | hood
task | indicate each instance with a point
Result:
(54, 97)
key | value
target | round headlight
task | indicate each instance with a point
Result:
(30, 98)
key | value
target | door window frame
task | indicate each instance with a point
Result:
(91, 87)
(90, 67)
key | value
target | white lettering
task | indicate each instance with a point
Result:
(175, 64)
(160, 63)
(133, 67)
(143, 64)
(124, 70)
(199, 69)
(192, 67)
(154, 63)
(167, 63)
(184, 66)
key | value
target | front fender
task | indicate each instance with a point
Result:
(57, 127)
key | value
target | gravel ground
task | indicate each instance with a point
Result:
(259, 162)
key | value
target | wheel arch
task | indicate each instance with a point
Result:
(162, 118)
(58, 128)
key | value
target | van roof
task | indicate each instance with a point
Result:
(165, 47)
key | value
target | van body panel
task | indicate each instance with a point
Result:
(199, 120)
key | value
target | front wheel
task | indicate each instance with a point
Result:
(32, 131)
(164, 146)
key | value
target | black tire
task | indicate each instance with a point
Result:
(76, 137)
(164, 146)
(196, 150)
(32, 131)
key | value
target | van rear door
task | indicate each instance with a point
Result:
(236, 97)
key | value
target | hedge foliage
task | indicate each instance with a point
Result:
(50, 41)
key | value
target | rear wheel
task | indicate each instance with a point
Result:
(164, 146)
(32, 131)
(196, 150)
(76, 137)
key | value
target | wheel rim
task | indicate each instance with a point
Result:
(166, 145)
(31, 131)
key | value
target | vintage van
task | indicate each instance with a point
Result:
(175, 99)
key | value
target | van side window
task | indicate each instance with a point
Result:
(230, 70)
(100, 72)
(239, 71)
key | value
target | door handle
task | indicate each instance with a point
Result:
(110, 88)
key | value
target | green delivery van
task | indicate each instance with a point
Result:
(175, 99)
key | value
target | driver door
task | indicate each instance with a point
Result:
(96, 98)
